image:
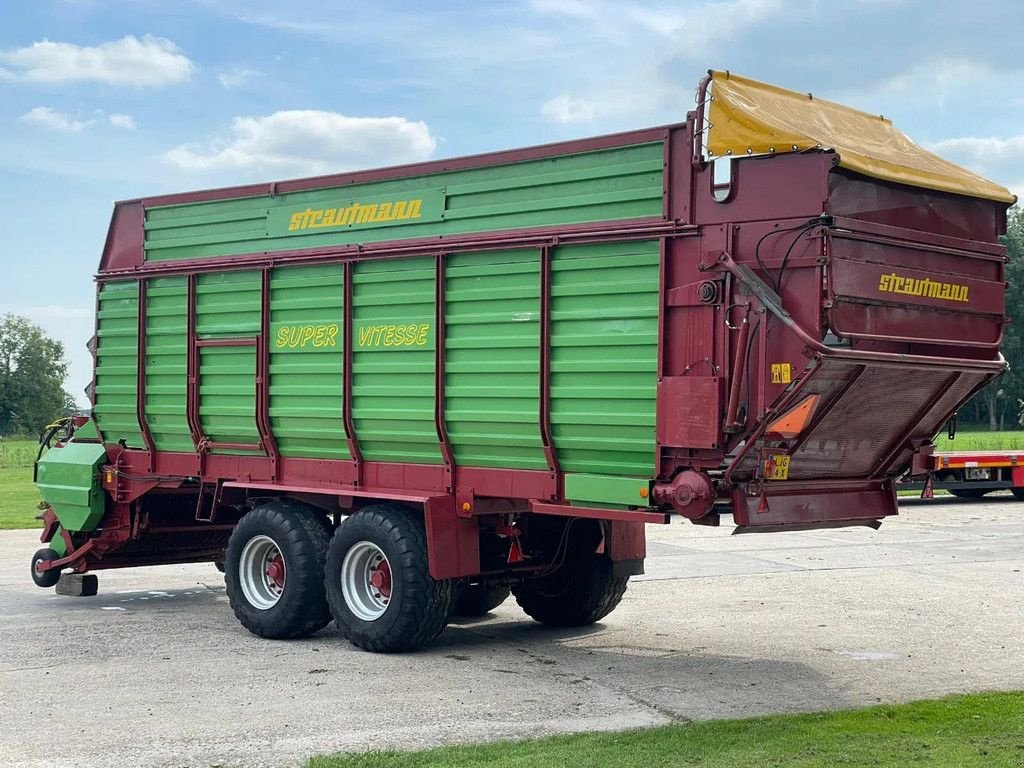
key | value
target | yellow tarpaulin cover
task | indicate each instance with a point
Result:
(748, 115)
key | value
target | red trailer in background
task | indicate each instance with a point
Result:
(967, 474)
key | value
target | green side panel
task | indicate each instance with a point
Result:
(606, 489)
(393, 367)
(604, 348)
(167, 363)
(618, 183)
(87, 432)
(228, 306)
(68, 480)
(57, 542)
(117, 363)
(492, 359)
(307, 358)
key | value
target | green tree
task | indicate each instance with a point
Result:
(1000, 402)
(32, 370)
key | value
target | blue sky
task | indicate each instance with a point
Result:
(101, 101)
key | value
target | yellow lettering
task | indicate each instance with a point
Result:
(421, 340)
(398, 211)
(414, 209)
(332, 332)
(366, 214)
(384, 212)
(282, 336)
(296, 221)
(318, 337)
(389, 336)
(365, 336)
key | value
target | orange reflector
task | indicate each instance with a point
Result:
(792, 422)
(643, 493)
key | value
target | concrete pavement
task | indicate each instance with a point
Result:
(156, 671)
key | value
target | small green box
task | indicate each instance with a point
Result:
(68, 480)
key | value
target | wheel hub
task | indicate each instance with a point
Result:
(380, 579)
(275, 571)
(366, 580)
(261, 572)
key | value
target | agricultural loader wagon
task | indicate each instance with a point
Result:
(388, 396)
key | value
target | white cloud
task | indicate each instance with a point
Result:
(630, 45)
(307, 142)
(1000, 159)
(51, 119)
(568, 109)
(122, 121)
(983, 147)
(150, 61)
(237, 76)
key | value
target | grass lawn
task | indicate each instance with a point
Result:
(982, 441)
(961, 731)
(18, 496)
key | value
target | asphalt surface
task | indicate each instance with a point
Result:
(156, 671)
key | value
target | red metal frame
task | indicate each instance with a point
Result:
(550, 451)
(619, 231)
(347, 352)
(447, 454)
(263, 424)
(140, 379)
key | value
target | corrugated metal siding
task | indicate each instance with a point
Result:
(167, 363)
(306, 371)
(492, 359)
(620, 183)
(117, 363)
(604, 350)
(228, 306)
(393, 387)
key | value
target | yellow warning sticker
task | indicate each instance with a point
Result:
(777, 467)
(782, 373)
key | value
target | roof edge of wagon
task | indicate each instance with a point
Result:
(383, 173)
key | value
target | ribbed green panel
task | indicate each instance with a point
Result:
(228, 306)
(492, 359)
(167, 363)
(307, 359)
(227, 389)
(393, 386)
(604, 347)
(618, 183)
(117, 363)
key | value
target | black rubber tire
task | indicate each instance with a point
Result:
(49, 578)
(302, 539)
(968, 493)
(584, 590)
(419, 606)
(1018, 493)
(473, 600)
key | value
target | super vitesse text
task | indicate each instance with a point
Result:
(366, 336)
